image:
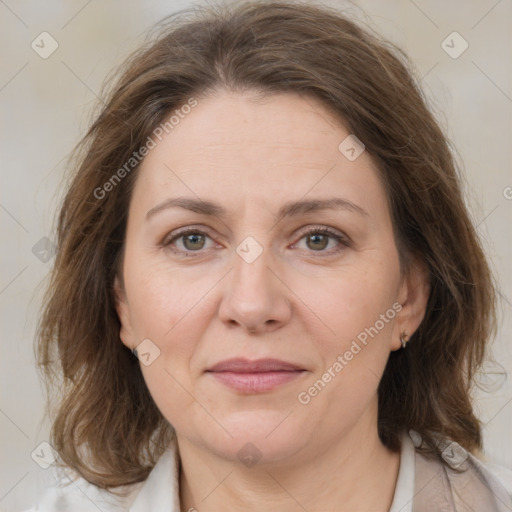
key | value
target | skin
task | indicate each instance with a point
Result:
(301, 300)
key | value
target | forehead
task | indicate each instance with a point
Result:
(243, 146)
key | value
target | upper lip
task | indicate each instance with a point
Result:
(240, 365)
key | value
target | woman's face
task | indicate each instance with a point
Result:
(253, 323)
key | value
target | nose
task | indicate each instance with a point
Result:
(254, 296)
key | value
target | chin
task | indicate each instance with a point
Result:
(259, 436)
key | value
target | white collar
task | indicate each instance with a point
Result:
(404, 489)
(160, 490)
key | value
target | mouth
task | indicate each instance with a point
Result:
(251, 377)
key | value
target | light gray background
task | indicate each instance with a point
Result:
(46, 106)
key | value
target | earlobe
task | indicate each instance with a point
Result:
(413, 297)
(121, 305)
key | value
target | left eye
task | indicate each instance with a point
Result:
(318, 240)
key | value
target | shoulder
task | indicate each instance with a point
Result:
(459, 479)
(78, 495)
(81, 496)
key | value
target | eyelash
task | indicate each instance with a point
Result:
(342, 240)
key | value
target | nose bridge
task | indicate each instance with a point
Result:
(251, 267)
(251, 278)
(253, 296)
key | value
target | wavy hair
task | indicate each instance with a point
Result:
(106, 426)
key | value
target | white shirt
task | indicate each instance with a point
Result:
(423, 485)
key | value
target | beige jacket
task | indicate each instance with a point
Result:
(423, 485)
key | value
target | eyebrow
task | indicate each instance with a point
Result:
(289, 209)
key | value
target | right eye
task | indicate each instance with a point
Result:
(187, 241)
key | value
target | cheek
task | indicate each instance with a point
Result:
(165, 308)
(359, 310)
(357, 306)
(161, 298)
(353, 300)
(172, 320)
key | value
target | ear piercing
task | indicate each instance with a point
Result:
(404, 338)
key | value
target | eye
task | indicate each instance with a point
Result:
(319, 239)
(190, 240)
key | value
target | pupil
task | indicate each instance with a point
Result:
(193, 239)
(320, 238)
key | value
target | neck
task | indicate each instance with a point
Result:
(358, 473)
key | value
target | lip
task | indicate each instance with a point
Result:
(259, 376)
(241, 365)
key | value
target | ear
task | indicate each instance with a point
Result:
(123, 312)
(413, 297)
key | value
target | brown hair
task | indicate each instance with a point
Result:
(107, 426)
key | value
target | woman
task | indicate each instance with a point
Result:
(268, 292)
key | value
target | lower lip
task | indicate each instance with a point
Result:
(255, 382)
